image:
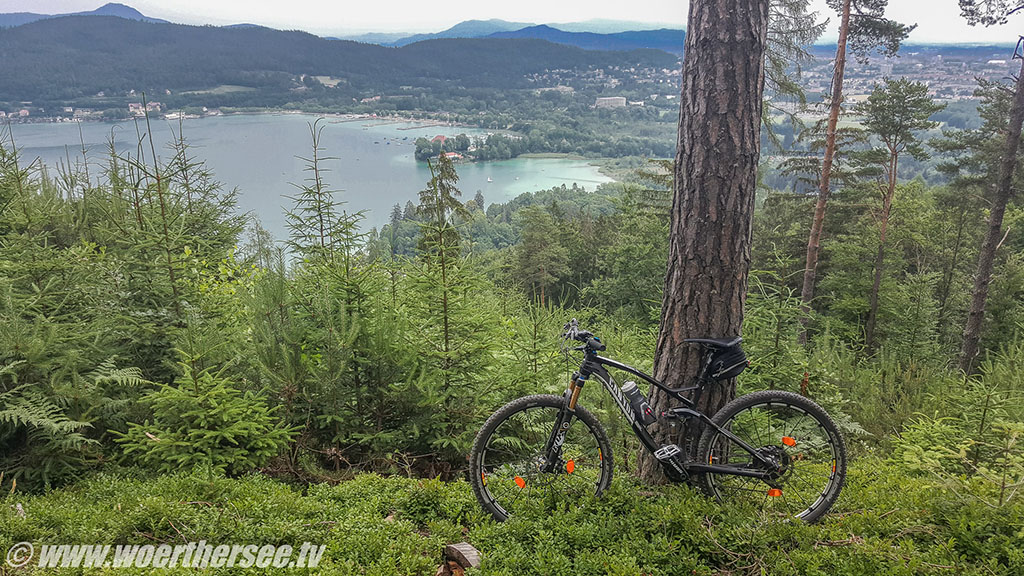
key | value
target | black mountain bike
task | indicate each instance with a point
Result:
(774, 450)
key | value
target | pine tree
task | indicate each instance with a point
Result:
(320, 230)
(541, 260)
(864, 26)
(453, 323)
(894, 113)
(989, 12)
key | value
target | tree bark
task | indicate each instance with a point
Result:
(947, 276)
(713, 201)
(824, 189)
(869, 333)
(987, 255)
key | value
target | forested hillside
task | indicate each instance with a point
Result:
(70, 57)
(110, 9)
(670, 41)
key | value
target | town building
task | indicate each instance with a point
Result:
(611, 102)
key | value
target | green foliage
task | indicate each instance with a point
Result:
(96, 278)
(44, 443)
(385, 351)
(541, 260)
(896, 111)
(869, 28)
(452, 321)
(204, 421)
(633, 257)
(973, 444)
(988, 12)
(319, 228)
(886, 523)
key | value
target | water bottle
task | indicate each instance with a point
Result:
(641, 408)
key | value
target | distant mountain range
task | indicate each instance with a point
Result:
(590, 35)
(664, 39)
(603, 26)
(61, 59)
(484, 28)
(467, 29)
(112, 9)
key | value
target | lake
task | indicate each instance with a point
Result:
(373, 169)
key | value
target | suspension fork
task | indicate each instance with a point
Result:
(553, 447)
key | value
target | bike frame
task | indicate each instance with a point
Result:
(594, 365)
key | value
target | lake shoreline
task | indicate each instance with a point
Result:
(222, 112)
(372, 166)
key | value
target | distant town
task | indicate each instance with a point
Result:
(951, 74)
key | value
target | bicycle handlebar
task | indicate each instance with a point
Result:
(572, 331)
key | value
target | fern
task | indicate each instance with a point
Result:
(108, 373)
(40, 442)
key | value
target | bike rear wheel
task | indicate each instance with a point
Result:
(507, 460)
(792, 431)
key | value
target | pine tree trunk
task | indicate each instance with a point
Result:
(987, 255)
(713, 204)
(947, 277)
(876, 286)
(824, 183)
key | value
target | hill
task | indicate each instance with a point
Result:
(484, 28)
(664, 39)
(382, 38)
(112, 9)
(466, 29)
(605, 26)
(70, 57)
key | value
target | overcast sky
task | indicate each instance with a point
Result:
(938, 20)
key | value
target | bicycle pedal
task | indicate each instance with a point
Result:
(673, 459)
(667, 452)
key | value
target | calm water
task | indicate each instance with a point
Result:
(374, 166)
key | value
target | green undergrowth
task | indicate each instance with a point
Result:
(885, 523)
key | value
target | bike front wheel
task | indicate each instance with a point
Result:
(508, 469)
(791, 431)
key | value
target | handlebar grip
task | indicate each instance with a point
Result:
(595, 344)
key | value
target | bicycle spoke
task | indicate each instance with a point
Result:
(783, 433)
(516, 449)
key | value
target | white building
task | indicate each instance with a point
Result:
(611, 102)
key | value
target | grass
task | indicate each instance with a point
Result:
(885, 523)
